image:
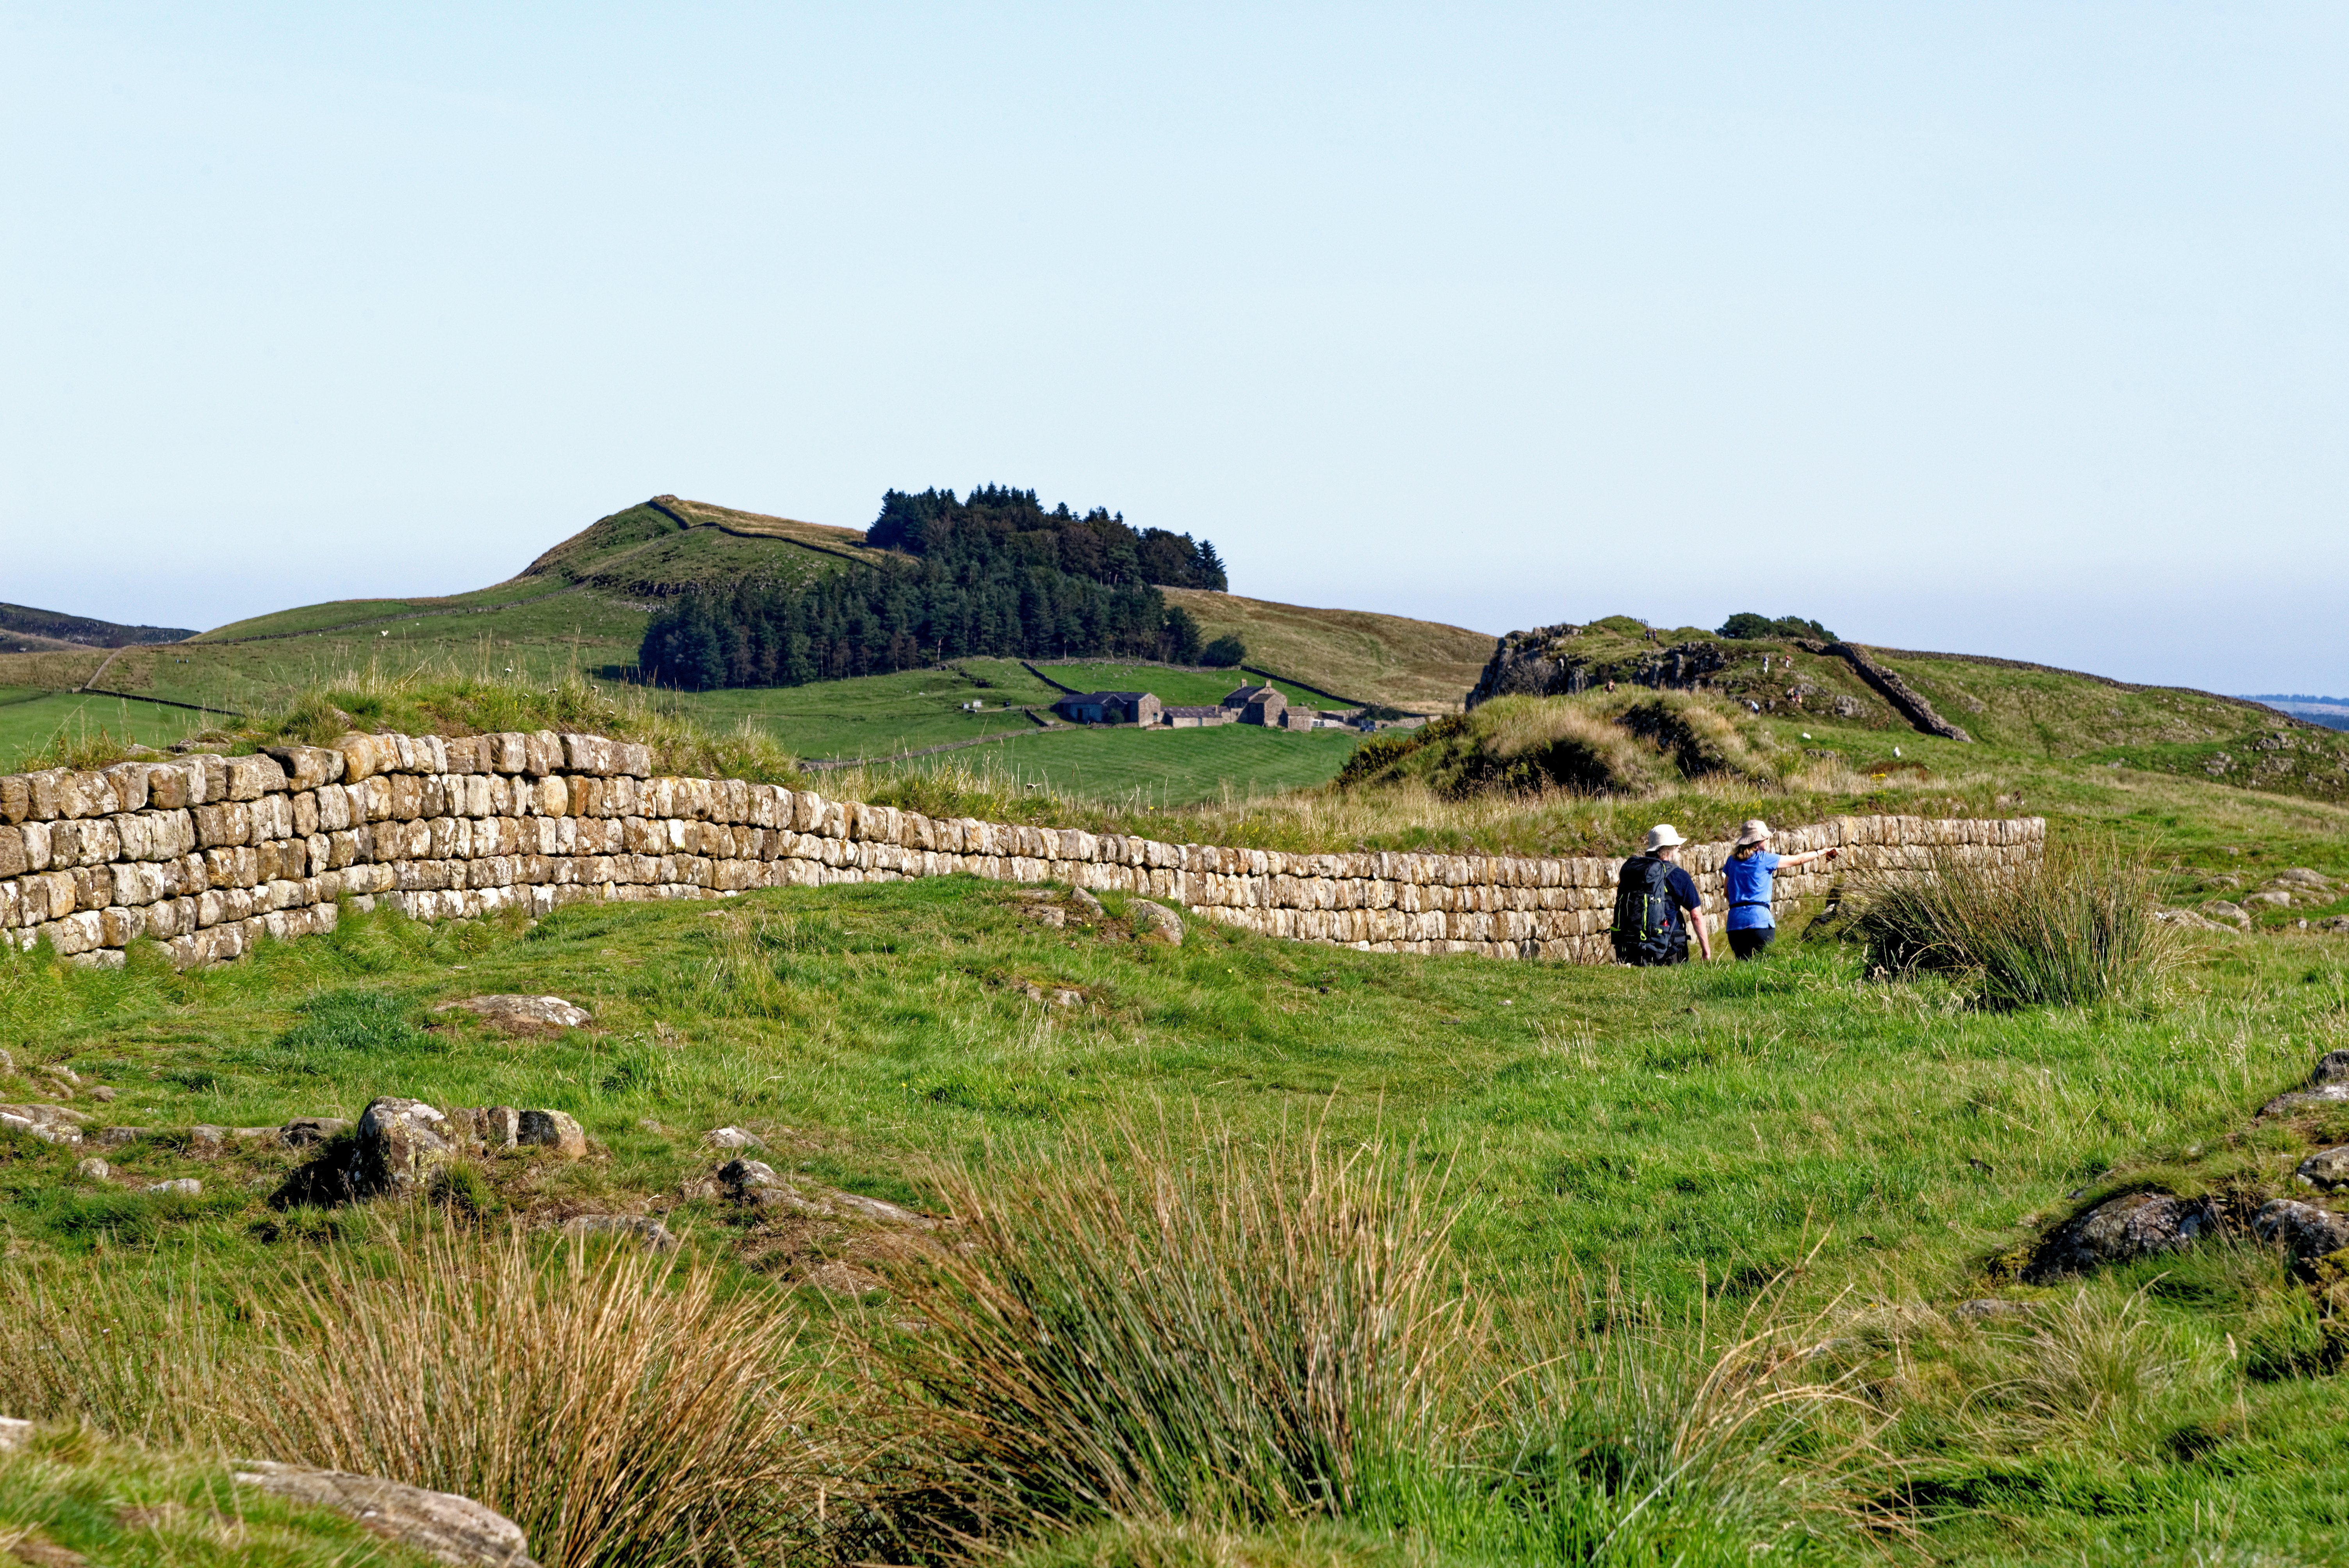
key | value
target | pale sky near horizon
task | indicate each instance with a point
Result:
(2006, 329)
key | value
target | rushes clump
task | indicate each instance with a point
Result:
(620, 1407)
(1138, 1332)
(2072, 927)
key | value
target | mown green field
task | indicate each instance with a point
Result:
(32, 721)
(1134, 769)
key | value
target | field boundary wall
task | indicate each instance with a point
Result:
(207, 854)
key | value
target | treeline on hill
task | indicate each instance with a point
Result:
(1745, 626)
(996, 575)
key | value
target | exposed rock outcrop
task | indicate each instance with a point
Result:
(2136, 1225)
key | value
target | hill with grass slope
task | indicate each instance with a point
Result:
(2006, 706)
(25, 630)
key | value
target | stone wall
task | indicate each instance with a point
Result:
(205, 854)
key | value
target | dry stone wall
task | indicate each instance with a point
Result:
(207, 854)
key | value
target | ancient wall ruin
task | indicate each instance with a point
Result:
(206, 854)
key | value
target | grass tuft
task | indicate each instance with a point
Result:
(2074, 927)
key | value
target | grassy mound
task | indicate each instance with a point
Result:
(1625, 743)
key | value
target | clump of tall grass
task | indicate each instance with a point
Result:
(620, 1407)
(2073, 926)
(1140, 1331)
(1631, 1435)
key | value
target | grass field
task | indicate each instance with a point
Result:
(1135, 769)
(32, 719)
(1692, 1133)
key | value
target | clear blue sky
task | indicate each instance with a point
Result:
(2015, 329)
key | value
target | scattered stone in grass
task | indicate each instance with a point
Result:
(93, 1170)
(2327, 1169)
(2329, 1082)
(837, 1278)
(2233, 915)
(438, 1525)
(491, 1126)
(642, 1228)
(2339, 923)
(182, 1187)
(1983, 1309)
(1045, 915)
(2305, 1231)
(744, 1176)
(2187, 920)
(1154, 922)
(1034, 894)
(7, 1065)
(115, 1137)
(13, 1430)
(2276, 899)
(303, 1131)
(102, 1092)
(1088, 907)
(734, 1137)
(2135, 1225)
(205, 1140)
(2302, 876)
(552, 1129)
(648, 1125)
(49, 1123)
(523, 1014)
(400, 1143)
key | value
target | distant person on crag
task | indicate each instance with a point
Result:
(1751, 867)
(1656, 904)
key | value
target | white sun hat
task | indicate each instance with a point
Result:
(1664, 836)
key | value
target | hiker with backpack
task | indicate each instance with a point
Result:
(1751, 866)
(1656, 904)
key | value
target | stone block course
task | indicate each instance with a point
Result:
(207, 854)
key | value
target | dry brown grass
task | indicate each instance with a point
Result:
(621, 1407)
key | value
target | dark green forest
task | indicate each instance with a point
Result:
(993, 575)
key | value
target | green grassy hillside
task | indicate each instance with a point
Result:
(1689, 1134)
(1352, 655)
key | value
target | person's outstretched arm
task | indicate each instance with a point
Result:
(1785, 861)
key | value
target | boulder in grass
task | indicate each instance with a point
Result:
(15, 1431)
(439, 1524)
(642, 1228)
(2328, 1083)
(552, 1129)
(735, 1137)
(524, 1014)
(1154, 922)
(742, 1177)
(2305, 1231)
(400, 1143)
(182, 1187)
(49, 1123)
(2326, 1170)
(2120, 1230)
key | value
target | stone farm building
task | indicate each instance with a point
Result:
(1263, 704)
(1110, 707)
(1185, 718)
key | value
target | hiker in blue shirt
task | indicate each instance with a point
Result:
(1748, 873)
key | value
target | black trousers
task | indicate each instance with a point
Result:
(1749, 943)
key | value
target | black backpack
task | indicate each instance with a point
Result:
(1648, 927)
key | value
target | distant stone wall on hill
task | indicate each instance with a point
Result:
(207, 854)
